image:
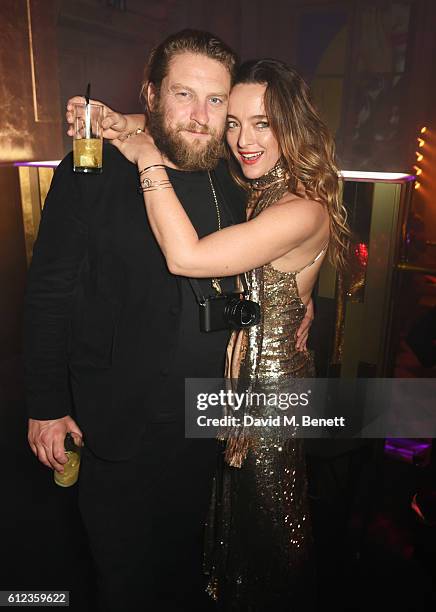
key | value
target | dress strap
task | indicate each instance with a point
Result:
(324, 248)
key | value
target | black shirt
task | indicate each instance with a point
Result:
(200, 354)
(109, 333)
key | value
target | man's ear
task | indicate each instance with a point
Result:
(151, 96)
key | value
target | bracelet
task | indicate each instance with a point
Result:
(150, 167)
(135, 132)
(147, 182)
(147, 189)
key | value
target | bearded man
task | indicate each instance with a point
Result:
(110, 336)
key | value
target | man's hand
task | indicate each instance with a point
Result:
(115, 125)
(46, 439)
(303, 330)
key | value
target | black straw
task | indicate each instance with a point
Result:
(88, 112)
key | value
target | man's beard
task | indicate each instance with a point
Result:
(186, 155)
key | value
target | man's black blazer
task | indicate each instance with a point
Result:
(101, 309)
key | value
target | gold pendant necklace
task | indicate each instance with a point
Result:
(215, 282)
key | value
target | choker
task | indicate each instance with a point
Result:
(277, 174)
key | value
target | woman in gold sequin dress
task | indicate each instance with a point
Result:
(258, 537)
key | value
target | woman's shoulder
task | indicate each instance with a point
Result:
(302, 208)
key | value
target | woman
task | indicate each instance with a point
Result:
(258, 548)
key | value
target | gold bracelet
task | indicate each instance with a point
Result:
(150, 168)
(147, 182)
(135, 132)
(147, 189)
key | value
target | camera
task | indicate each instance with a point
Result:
(228, 311)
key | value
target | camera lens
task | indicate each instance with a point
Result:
(246, 313)
(242, 313)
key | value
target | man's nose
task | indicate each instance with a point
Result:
(199, 112)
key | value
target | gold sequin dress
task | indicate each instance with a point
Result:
(258, 534)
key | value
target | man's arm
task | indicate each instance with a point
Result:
(304, 329)
(58, 254)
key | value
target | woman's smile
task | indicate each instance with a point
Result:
(249, 135)
(250, 158)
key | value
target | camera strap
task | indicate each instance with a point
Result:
(201, 299)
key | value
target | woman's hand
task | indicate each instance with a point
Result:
(139, 149)
(115, 125)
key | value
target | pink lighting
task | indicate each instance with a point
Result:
(40, 164)
(376, 177)
(348, 175)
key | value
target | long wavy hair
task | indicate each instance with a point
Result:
(307, 147)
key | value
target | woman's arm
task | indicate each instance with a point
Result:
(230, 251)
(233, 250)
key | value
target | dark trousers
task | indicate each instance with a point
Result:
(341, 492)
(144, 518)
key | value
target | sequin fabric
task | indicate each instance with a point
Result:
(258, 535)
